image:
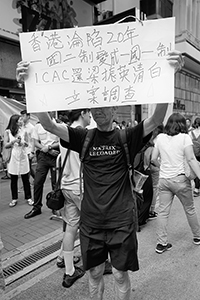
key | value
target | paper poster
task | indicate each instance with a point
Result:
(107, 65)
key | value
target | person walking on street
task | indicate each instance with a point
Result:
(16, 141)
(154, 175)
(107, 222)
(173, 147)
(195, 136)
(47, 151)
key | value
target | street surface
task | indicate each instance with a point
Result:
(173, 275)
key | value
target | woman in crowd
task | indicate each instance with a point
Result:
(154, 170)
(15, 141)
(195, 136)
(173, 147)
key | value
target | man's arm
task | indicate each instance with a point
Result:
(191, 159)
(154, 158)
(156, 119)
(58, 129)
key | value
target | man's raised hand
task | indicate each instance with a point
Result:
(22, 71)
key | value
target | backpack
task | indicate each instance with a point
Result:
(196, 144)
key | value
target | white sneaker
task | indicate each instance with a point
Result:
(13, 203)
(30, 202)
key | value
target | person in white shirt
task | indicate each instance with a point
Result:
(15, 141)
(48, 150)
(173, 147)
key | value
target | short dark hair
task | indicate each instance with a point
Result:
(74, 114)
(197, 122)
(24, 112)
(176, 124)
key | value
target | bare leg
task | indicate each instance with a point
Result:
(122, 288)
(96, 282)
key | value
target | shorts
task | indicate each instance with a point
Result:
(71, 211)
(121, 244)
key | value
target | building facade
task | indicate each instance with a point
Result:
(187, 83)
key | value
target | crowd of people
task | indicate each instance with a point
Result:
(105, 208)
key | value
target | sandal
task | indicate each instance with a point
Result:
(13, 203)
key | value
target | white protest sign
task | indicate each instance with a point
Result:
(107, 65)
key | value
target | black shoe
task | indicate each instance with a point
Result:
(152, 215)
(69, 280)
(56, 212)
(34, 212)
(5, 177)
(162, 248)
(196, 194)
(196, 241)
(108, 268)
(144, 222)
(61, 263)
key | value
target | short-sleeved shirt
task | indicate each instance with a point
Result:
(171, 150)
(107, 201)
(44, 137)
(71, 173)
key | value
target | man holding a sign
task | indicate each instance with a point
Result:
(107, 212)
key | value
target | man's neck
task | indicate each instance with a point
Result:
(107, 127)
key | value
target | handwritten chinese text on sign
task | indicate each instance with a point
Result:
(108, 65)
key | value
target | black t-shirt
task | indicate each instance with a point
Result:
(107, 201)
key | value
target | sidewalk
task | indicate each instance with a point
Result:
(17, 231)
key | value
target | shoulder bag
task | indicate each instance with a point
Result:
(55, 199)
